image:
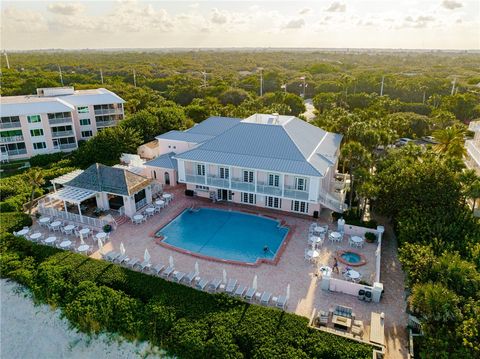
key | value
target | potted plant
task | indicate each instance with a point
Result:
(107, 228)
(370, 237)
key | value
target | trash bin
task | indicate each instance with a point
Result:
(361, 294)
(368, 296)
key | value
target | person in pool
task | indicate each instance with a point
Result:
(335, 265)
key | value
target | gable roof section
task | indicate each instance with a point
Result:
(103, 178)
(184, 136)
(164, 161)
(33, 107)
(99, 96)
(294, 147)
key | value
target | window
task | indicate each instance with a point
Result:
(59, 129)
(13, 133)
(249, 198)
(34, 118)
(202, 188)
(11, 121)
(200, 170)
(84, 122)
(300, 184)
(82, 109)
(273, 180)
(36, 132)
(248, 176)
(224, 172)
(55, 115)
(299, 206)
(39, 145)
(87, 133)
(273, 202)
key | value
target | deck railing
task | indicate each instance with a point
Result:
(89, 221)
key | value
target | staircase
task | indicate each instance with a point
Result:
(121, 219)
(329, 201)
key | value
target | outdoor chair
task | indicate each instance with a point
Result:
(120, 259)
(240, 291)
(342, 311)
(250, 293)
(232, 283)
(144, 265)
(322, 318)
(190, 277)
(281, 302)
(178, 276)
(132, 262)
(265, 298)
(202, 284)
(157, 269)
(213, 286)
(168, 271)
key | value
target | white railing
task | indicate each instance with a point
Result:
(56, 121)
(140, 204)
(106, 123)
(13, 124)
(473, 151)
(73, 217)
(108, 111)
(331, 202)
(474, 126)
(65, 146)
(62, 133)
(291, 192)
(195, 178)
(17, 138)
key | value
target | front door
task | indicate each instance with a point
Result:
(167, 178)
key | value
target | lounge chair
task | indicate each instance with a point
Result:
(265, 298)
(240, 291)
(157, 269)
(213, 286)
(342, 311)
(144, 265)
(202, 284)
(232, 283)
(281, 302)
(250, 293)
(322, 318)
(190, 277)
(121, 259)
(132, 262)
(111, 256)
(178, 276)
(357, 328)
(168, 271)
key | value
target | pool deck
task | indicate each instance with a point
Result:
(292, 268)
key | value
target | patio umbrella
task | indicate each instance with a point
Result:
(197, 270)
(146, 256)
(100, 245)
(288, 291)
(122, 249)
(81, 239)
(254, 284)
(170, 261)
(224, 276)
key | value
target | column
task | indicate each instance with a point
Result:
(206, 171)
(230, 177)
(283, 185)
(80, 212)
(255, 179)
(65, 206)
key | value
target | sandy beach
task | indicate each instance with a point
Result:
(37, 331)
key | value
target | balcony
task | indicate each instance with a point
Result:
(106, 123)
(18, 138)
(57, 121)
(62, 134)
(108, 111)
(270, 190)
(16, 124)
(218, 182)
(65, 146)
(332, 202)
(195, 179)
(293, 193)
(473, 151)
(22, 151)
(239, 185)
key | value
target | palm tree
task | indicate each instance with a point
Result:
(36, 180)
(450, 141)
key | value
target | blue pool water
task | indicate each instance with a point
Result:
(226, 235)
(351, 257)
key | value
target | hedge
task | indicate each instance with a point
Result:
(98, 296)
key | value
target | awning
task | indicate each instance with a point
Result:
(73, 194)
(66, 177)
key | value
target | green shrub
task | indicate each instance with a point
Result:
(14, 221)
(47, 159)
(370, 237)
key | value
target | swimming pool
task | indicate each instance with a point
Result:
(225, 235)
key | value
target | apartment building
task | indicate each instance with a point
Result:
(473, 147)
(55, 119)
(272, 161)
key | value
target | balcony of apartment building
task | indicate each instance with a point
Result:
(108, 109)
(10, 122)
(10, 137)
(13, 149)
(64, 133)
(59, 118)
(107, 120)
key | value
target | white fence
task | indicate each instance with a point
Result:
(342, 286)
(73, 217)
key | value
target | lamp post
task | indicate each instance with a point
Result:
(260, 69)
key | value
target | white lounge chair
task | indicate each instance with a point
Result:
(178, 276)
(168, 271)
(240, 291)
(120, 259)
(250, 293)
(230, 289)
(213, 286)
(145, 265)
(132, 262)
(282, 302)
(265, 299)
(202, 284)
(157, 269)
(190, 277)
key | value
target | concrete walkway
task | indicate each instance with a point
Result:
(309, 114)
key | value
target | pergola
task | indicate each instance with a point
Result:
(73, 195)
(65, 178)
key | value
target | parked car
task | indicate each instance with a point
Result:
(403, 141)
(429, 139)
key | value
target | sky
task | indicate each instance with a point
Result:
(408, 24)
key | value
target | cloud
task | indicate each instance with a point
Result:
(295, 24)
(418, 22)
(66, 9)
(336, 7)
(22, 21)
(304, 11)
(218, 17)
(451, 4)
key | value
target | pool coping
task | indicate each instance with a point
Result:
(281, 222)
(362, 262)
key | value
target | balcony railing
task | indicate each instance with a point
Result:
(291, 192)
(16, 124)
(332, 202)
(22, 151)
(108, 111)
(238, 184)
(57, 121)
(106, 123)
(18, 138)
(65, 146)
(218, 182)
(195, 178)
(473, 150)
(270, 190)
(62, 134)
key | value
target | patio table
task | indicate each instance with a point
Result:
(138, 217)
(55, 224)
(150, 210)
(353, 274)
(83, 248)
(84, 231)
(357, 239)
(36, 236)
(22, 232)
(319, 229)
(65, 244)
(315, 239)
(69, 228)
(160, 202)
(44, 220)
(50, 240)
(313, 254)
(336, 236)
(341, 322)
(167, 196)
(101, 235)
